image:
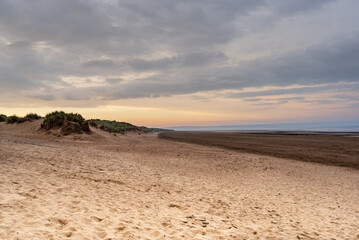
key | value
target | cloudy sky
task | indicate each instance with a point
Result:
(168, 63)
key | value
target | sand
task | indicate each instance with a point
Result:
(331, 148)
(102, 186)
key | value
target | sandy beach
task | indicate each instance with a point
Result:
(102, 186)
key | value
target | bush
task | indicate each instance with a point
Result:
(74, 117)
(15, 119)
(12, 119)
(85, 126)
(68, 122)
(70, 127)
(22, 120)
(122, 127)
(114, 126)
(53, 120)
(119, 127)
(92, 123)
(32, 116)
(3, 118)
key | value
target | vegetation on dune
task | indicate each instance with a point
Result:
(12, 119)
(121, 127)
(92, 123)
(117, 127)
(32, 116)
(15, 119)
(3, 118)
(22, 120)
(75, 123)
(161, 130)
(68, 122)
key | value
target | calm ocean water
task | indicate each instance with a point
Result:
(352, 126)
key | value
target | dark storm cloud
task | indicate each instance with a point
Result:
(181, 43)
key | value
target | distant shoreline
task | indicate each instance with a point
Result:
(284, 132)
(341, 126)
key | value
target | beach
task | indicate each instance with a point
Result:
(107, 186)
(330, 148)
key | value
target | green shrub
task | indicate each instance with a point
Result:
(85, 126)
(12, 119)
(122, 127)
(92, 123)
(53, 120)
(15, 119)
(69, 122)
(70, 127)
(3, 118)
(74, 117)
(32, 116)
(114, 126)
(22, 120)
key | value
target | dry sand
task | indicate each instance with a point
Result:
(102, 186)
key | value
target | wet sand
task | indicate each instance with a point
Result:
(102, 186)
(340, 149)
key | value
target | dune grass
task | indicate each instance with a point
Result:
(32, 116)
(68, 122)
(3, 118)
(122, 127)
(117, 127)
(12, 119)
(75, 123)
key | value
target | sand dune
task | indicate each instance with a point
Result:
(102, 186)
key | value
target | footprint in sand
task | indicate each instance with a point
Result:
(97, 219)
(101, 234)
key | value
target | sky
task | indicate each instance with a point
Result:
(176, 63)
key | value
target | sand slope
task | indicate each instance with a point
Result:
(102, 186)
